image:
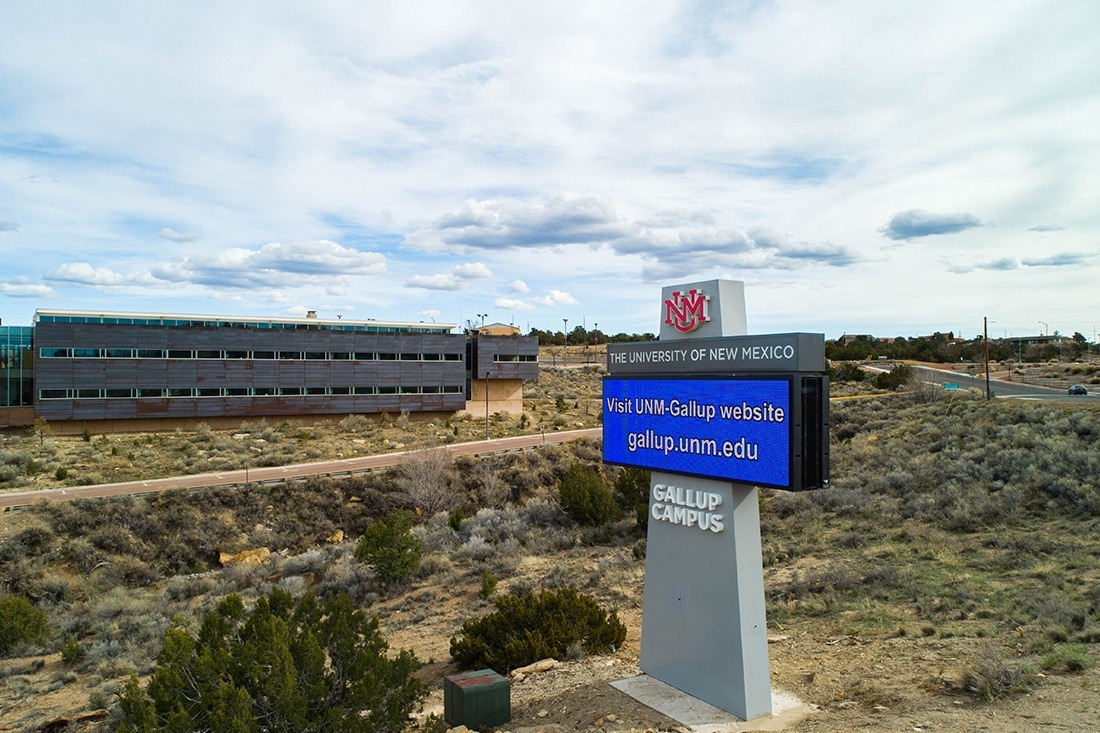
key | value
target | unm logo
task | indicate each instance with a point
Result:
(686, 312)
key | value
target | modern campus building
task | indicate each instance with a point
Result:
(144, 371)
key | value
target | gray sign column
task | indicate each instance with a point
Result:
(704, 629)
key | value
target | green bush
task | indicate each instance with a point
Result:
(586, 497)
(285, 666)
(631, 492)
(389, 548)
(527, 628)
(899, 376)
(21, 623)
(847, 371)
(488, 584)
(72, 651)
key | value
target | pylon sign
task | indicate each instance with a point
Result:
(714, 414)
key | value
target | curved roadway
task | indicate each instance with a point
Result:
(277, 474)
(998, 387)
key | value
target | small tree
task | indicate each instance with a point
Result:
(285, 666)
(631, 492)
(21, 623)
(525, 629)
(899, 376)
(389, 548)
(586, 497)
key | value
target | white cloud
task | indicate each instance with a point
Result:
(7, 225)
(21, 289)
(555, 297)
(511, 304)
(81, 273)
(271, 265)
(174, 236)
(472, 271)
(518, 286)
(435, 282)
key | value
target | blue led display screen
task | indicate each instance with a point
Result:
(731, 429)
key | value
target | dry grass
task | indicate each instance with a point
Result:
(962, 529)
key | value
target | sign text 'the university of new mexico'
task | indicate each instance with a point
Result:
(770, 353)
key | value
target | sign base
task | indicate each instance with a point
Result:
(702, 717)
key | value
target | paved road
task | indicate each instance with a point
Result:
(277, 474)
(999, 388)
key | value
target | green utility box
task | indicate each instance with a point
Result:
(476, 699)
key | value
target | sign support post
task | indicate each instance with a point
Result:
(704, 629)
(714, 414)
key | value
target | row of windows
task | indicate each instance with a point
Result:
(181, 322)
(515, 357)
(146, 392)
(54, 352)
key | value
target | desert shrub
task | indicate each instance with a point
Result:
(990, 677)
(899, 376)
(390, 549)
(426, 477)
(631, 493)
(310, 665)
(72, 651)
(21, 623)
(847, 371)
(30, 542)
(585, 496)
(488, 584)
(527, 628)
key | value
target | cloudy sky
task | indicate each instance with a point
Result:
(893, 168)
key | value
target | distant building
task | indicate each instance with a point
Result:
(498, 329)
(1034, 340)
(141, 371)
(850, 337)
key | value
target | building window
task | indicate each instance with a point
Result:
(120, 353)
(50, 352)
(53, 394)
(119, 393)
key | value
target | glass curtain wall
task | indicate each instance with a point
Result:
(16, 366)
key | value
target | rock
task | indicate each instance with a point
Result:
(776, 638)
(336, 538)
(245, 557)
(542, 713)
(543, 665)
(518, 677)
(612, 718)
(458, 729)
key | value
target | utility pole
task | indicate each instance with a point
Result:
(985, 338)
(486, 405)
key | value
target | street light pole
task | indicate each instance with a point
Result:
(487, 405)
(985, 338)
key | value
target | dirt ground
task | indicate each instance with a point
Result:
(849, 683)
